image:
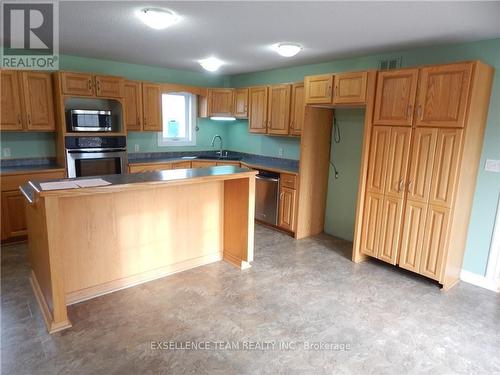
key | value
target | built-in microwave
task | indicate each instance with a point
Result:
(88, 120)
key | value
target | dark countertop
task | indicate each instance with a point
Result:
(166, 176)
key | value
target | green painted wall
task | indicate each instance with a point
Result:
(342, 192)
(28, 145)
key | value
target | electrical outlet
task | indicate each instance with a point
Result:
(136, 148)
(492, 165)
(280, 151)
(6, 152)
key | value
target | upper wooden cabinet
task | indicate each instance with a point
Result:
(278, 118)
(297, 110)
(133, 105)
(350, 88)
(395, 97)
(11, 113)
(319, 89)
(38, 101)
(27, 101)
(443, 95)
(220, 102)
(151, 104)
(257, 116)
(240, 106)
(87, 84)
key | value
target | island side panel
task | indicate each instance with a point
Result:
(46, 262)
(128, 236)
(239, 214)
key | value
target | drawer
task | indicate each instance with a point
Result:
(235, 163)
(288, 180)
(12, 182)
(149, 167)
(181, 165)
(202, 164)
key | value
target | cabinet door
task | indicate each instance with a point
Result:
(422, 161)
(151, 103)
(377, 160)
(13, 215)
(278, 118)
(203, 164)
(39, 101)
(109, 86)
(413, 235)
(397, 163)
(287, 208)
(133, 105)
(390, 229)
(298, 107)
(233, 163)
(443, 95)
(77, 84)
(319, 89)
(149, 167)
(220, 102)
(350, 88)
(240, 103)
(257, 118)
(11, 117)
(445, 169)
(435, 241)
(395, 97)
(372, 219)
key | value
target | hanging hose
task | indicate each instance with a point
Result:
(336, 139)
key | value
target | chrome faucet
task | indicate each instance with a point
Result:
(213, 143)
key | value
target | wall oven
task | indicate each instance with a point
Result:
(96, 156)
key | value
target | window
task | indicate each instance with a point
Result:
(178, 119)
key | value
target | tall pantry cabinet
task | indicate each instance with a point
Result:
(424, 149)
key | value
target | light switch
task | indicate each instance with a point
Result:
(136, 148)
(492, 165)
(6, 152)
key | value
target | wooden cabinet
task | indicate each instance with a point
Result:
(220, 102)
(443, 95)
(27, 101)
(11, 115)
(412, 240)
(38, 101)
(203, 164)
(318, 89)
(12, 209)
(397, 162)
(181, 165)
(390, 227)
(350, 88)
(151, 105)
(257, 116)
(395, 97)
(149, 167)
(377, 160)
(108, 86)
(132, 105)
(287, 208)
(233, 163)
(372, 220)
(88, 84)
(278, 117)
(297, 110)
(240, 106)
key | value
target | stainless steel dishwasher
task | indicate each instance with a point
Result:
(266, 197)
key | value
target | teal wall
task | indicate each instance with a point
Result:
(28, 145)
(346, 155)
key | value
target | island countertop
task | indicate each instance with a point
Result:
(173, 176)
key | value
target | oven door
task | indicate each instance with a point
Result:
(96, 162)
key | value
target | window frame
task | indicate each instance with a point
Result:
(192, 127)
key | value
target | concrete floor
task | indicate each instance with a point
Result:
(297, 293)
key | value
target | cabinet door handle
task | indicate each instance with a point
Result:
(19, 118)
(410, 184)
(281, 196)
(420, 113)
(145, 121)
(98, 85)
(400, 185)
(291, 125)
(29, 119)
(90, 85)
(138, 120)
(409, 111)
(329, 90)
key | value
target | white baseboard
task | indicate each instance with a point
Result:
(480, 280)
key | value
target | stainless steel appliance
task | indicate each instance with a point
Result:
(267, 196)
(96, 156)
(89, 120)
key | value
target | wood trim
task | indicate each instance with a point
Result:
(128, 282)
(357, 256)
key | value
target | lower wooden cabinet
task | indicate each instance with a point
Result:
(287, 208)
(203, 164)
(13, 213)
(181, 165)
(149, 167)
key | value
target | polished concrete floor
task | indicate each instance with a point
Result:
(322, 313)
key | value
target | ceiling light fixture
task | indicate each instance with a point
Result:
(287, 49)
(220, 118)
(158, 18)
(211, 64)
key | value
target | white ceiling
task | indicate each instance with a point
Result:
(241, 33)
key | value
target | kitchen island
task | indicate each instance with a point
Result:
(85, 242)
